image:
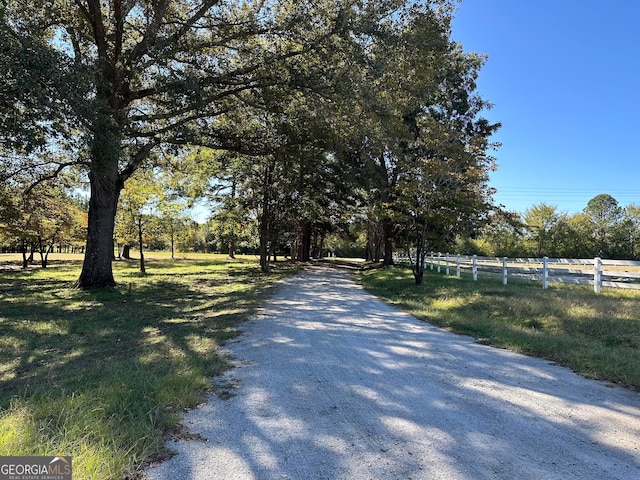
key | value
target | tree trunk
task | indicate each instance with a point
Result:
(304, 245)
(601, 243)
(232, 240)
(375, 236)
(25, 260)
(264, 244)
(264, 235)
(142, 267)
(265, 228)
(321, 246)
(293, 247)
(97, 266)
(387, 227)
(43, 255)
(97, 269)
(126, 251)
(41, 248)
(421, 243)
(539, 251)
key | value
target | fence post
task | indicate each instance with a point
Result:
(504, 270)
(597, 274)
(475, 267)
(545, 273)
(458, 266)
(439, 258)
(431, 263)
(446, 263)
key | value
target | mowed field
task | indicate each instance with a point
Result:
(104, 376)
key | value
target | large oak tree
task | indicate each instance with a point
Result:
(156, 75)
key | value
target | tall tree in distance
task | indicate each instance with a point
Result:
(444, 189)
(38, 218)
(632, 219)
(604, 212)
(430, 163)
(542, 220)
(423, 138)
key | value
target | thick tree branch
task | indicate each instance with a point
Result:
(136, 161)
(49, 176)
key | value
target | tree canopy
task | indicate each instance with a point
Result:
(323, 104)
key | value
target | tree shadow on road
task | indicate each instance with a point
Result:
(336, 384)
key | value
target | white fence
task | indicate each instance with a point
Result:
(597, 272)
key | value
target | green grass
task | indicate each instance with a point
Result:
(598, 336)
(104, 375)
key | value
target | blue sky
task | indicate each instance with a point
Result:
(564, 78)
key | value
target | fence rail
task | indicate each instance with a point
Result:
(597, 272)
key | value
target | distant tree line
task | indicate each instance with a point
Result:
(40, 220)
(602, 229)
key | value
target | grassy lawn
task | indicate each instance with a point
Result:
(597, 336)
(104, 376)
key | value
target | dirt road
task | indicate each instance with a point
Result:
(332, 383)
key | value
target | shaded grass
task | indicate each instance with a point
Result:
(598, 336)
(103, 376)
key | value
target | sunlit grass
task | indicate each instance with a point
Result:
(596, 335)
(103, 376)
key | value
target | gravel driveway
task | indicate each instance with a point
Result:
(332, 383)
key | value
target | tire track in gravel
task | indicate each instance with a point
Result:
(335, 384)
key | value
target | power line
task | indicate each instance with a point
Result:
(569, 199)
(568, 190)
